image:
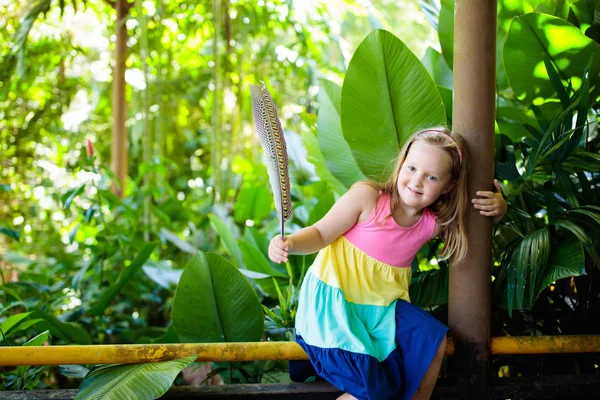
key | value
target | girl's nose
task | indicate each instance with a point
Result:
(417, 182)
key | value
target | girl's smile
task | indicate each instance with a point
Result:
(414, 191)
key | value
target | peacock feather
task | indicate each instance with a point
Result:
(272, 140)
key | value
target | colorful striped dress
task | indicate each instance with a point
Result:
(354, 318)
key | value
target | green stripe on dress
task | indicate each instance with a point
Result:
(359, 328)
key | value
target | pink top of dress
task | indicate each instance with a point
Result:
(385, 240)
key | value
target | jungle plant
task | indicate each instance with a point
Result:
(551, 189)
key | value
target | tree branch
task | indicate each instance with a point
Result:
(111, 3)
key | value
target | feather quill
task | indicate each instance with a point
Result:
(272, 140)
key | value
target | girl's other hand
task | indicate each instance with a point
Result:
(278, 249)
(492, 204)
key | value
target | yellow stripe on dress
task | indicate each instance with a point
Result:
(362, 279)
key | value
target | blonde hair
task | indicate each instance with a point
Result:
(450, 208)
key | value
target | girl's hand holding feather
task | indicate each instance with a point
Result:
(492, 204)
(278, 249)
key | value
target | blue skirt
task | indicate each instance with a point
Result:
(418, 337)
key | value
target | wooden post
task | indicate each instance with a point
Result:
(473, 118)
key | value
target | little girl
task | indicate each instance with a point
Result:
(355, 295)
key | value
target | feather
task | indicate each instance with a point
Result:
(272, 140)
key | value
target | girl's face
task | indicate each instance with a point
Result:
(424, 175)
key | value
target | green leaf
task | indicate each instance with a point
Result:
(256, 261)
(323, 205)
(446, 95)
(257, 239)
(315, 157)
(334, 147)
(39, 340)
(260, 247)
(387, 95)
(112, 291)
(67, 331)
(253, 203)
(438, 68)
(10, 233)
(70, 195)
(530, 37)
(430, 288)
(586, 210)
(13, 320)
(529, 257)
(170, 336)
(582, 111)
(181, 244)
(73, 371)
(582, 236)
(134, 381)
(24, 326)
(214, 303)
(163, 274)
(227, 239)
(555, 81)
(446, 31)
(567, 260)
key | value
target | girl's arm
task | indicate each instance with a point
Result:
(344, 214)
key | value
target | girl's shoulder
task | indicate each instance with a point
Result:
(364, 191)
(366, 196)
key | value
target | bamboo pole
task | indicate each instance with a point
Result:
(143, 353)
(469, 302)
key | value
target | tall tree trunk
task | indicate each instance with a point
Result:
(119, 132)
(216, 152)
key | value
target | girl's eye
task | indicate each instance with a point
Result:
(411, 168)
(432, 178)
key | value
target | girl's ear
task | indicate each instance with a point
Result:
(449, 187)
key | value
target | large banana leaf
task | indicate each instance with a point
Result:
(334, 147)
(324, 204)
(214, 303)
(438, 68)
(387, 95)
(533, 35)
(315, 156)
(446, 31)
(131, 381)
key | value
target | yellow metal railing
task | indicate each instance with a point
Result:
(142, 353)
